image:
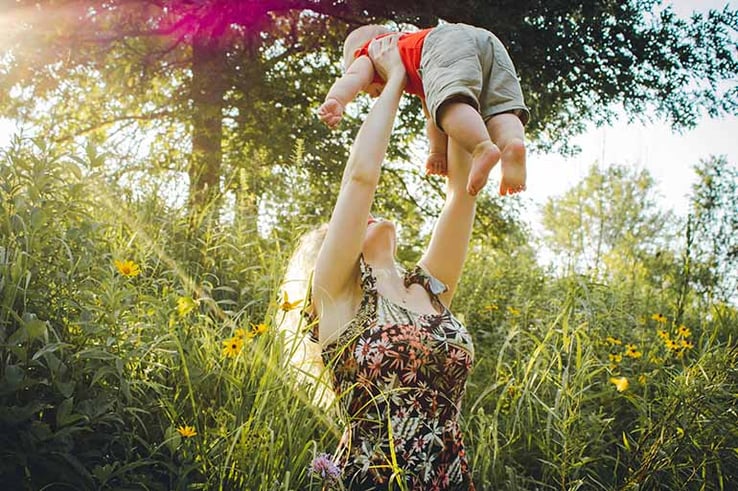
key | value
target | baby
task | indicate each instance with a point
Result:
(469, 90)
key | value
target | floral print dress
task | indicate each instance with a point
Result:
(400, 377)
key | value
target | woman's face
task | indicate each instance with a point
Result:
(380, 239)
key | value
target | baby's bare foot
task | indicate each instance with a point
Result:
(484, 157)
(436, 164)
(513, 167)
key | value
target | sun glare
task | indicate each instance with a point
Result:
(19, 20)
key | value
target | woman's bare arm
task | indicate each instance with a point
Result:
(336, 270)
(446, 253)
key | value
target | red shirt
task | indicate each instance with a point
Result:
(411, 47)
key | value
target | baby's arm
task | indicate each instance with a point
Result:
(357, 78)
(438, 143)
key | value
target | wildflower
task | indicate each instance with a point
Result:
(663, 334)
(683, 331)
(286, 305)
(685, 344)
(621, 383)
(513, 311)
(128, 268)
(185, 305)
(491, 307)
(259, 328)
(660, 318)
(232, 347)
(323, 466)
(613, 341)
(670, 344)
(642, 379)
(615, 358)
(631, 350)
(187, 431)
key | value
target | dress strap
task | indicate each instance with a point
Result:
(368, 280)
(432, 285)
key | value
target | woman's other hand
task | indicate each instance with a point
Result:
(386, 57)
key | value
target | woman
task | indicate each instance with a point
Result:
(398, 358)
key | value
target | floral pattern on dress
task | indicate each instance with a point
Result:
(400, 377)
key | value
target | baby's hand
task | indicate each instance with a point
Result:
(331, 112)
(436, 164)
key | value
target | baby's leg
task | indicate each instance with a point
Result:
(465, 126)
(437, 143)
(507, 131)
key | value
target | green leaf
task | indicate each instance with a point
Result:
(38, 218)
(66, 389)
(35, 329)
(50, 348)
(172, 439)
(63, 411)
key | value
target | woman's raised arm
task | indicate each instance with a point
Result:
(336, 269)
(445, 255)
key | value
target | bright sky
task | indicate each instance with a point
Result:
(669, 157)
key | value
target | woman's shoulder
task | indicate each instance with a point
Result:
(420, 274)
(335, 313)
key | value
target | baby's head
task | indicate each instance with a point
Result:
(357, 38)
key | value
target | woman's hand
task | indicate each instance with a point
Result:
(386, 57)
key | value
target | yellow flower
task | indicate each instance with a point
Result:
(621, 383)
(259, 328)
(232, 347)
(683, 331)
(672, 345)
(128, 268)
(185, 305)
(491, 307)
(286, 305)
(244, 335)
(660, 318)
(642, 379)
(613, 341)
(615, 358)
(686, 344)
(662, 334)
(513, 310)
(631, 350)
(187, 431)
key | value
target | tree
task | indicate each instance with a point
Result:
(713, 228)
(610, 216)
(212, 85)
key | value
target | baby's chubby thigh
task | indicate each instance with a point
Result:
(451, 66)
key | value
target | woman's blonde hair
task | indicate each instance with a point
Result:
(302, 351)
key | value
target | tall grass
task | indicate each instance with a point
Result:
(105, 376)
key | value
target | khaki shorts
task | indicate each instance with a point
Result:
(468, 64)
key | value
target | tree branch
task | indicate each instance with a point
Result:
(102, 124)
